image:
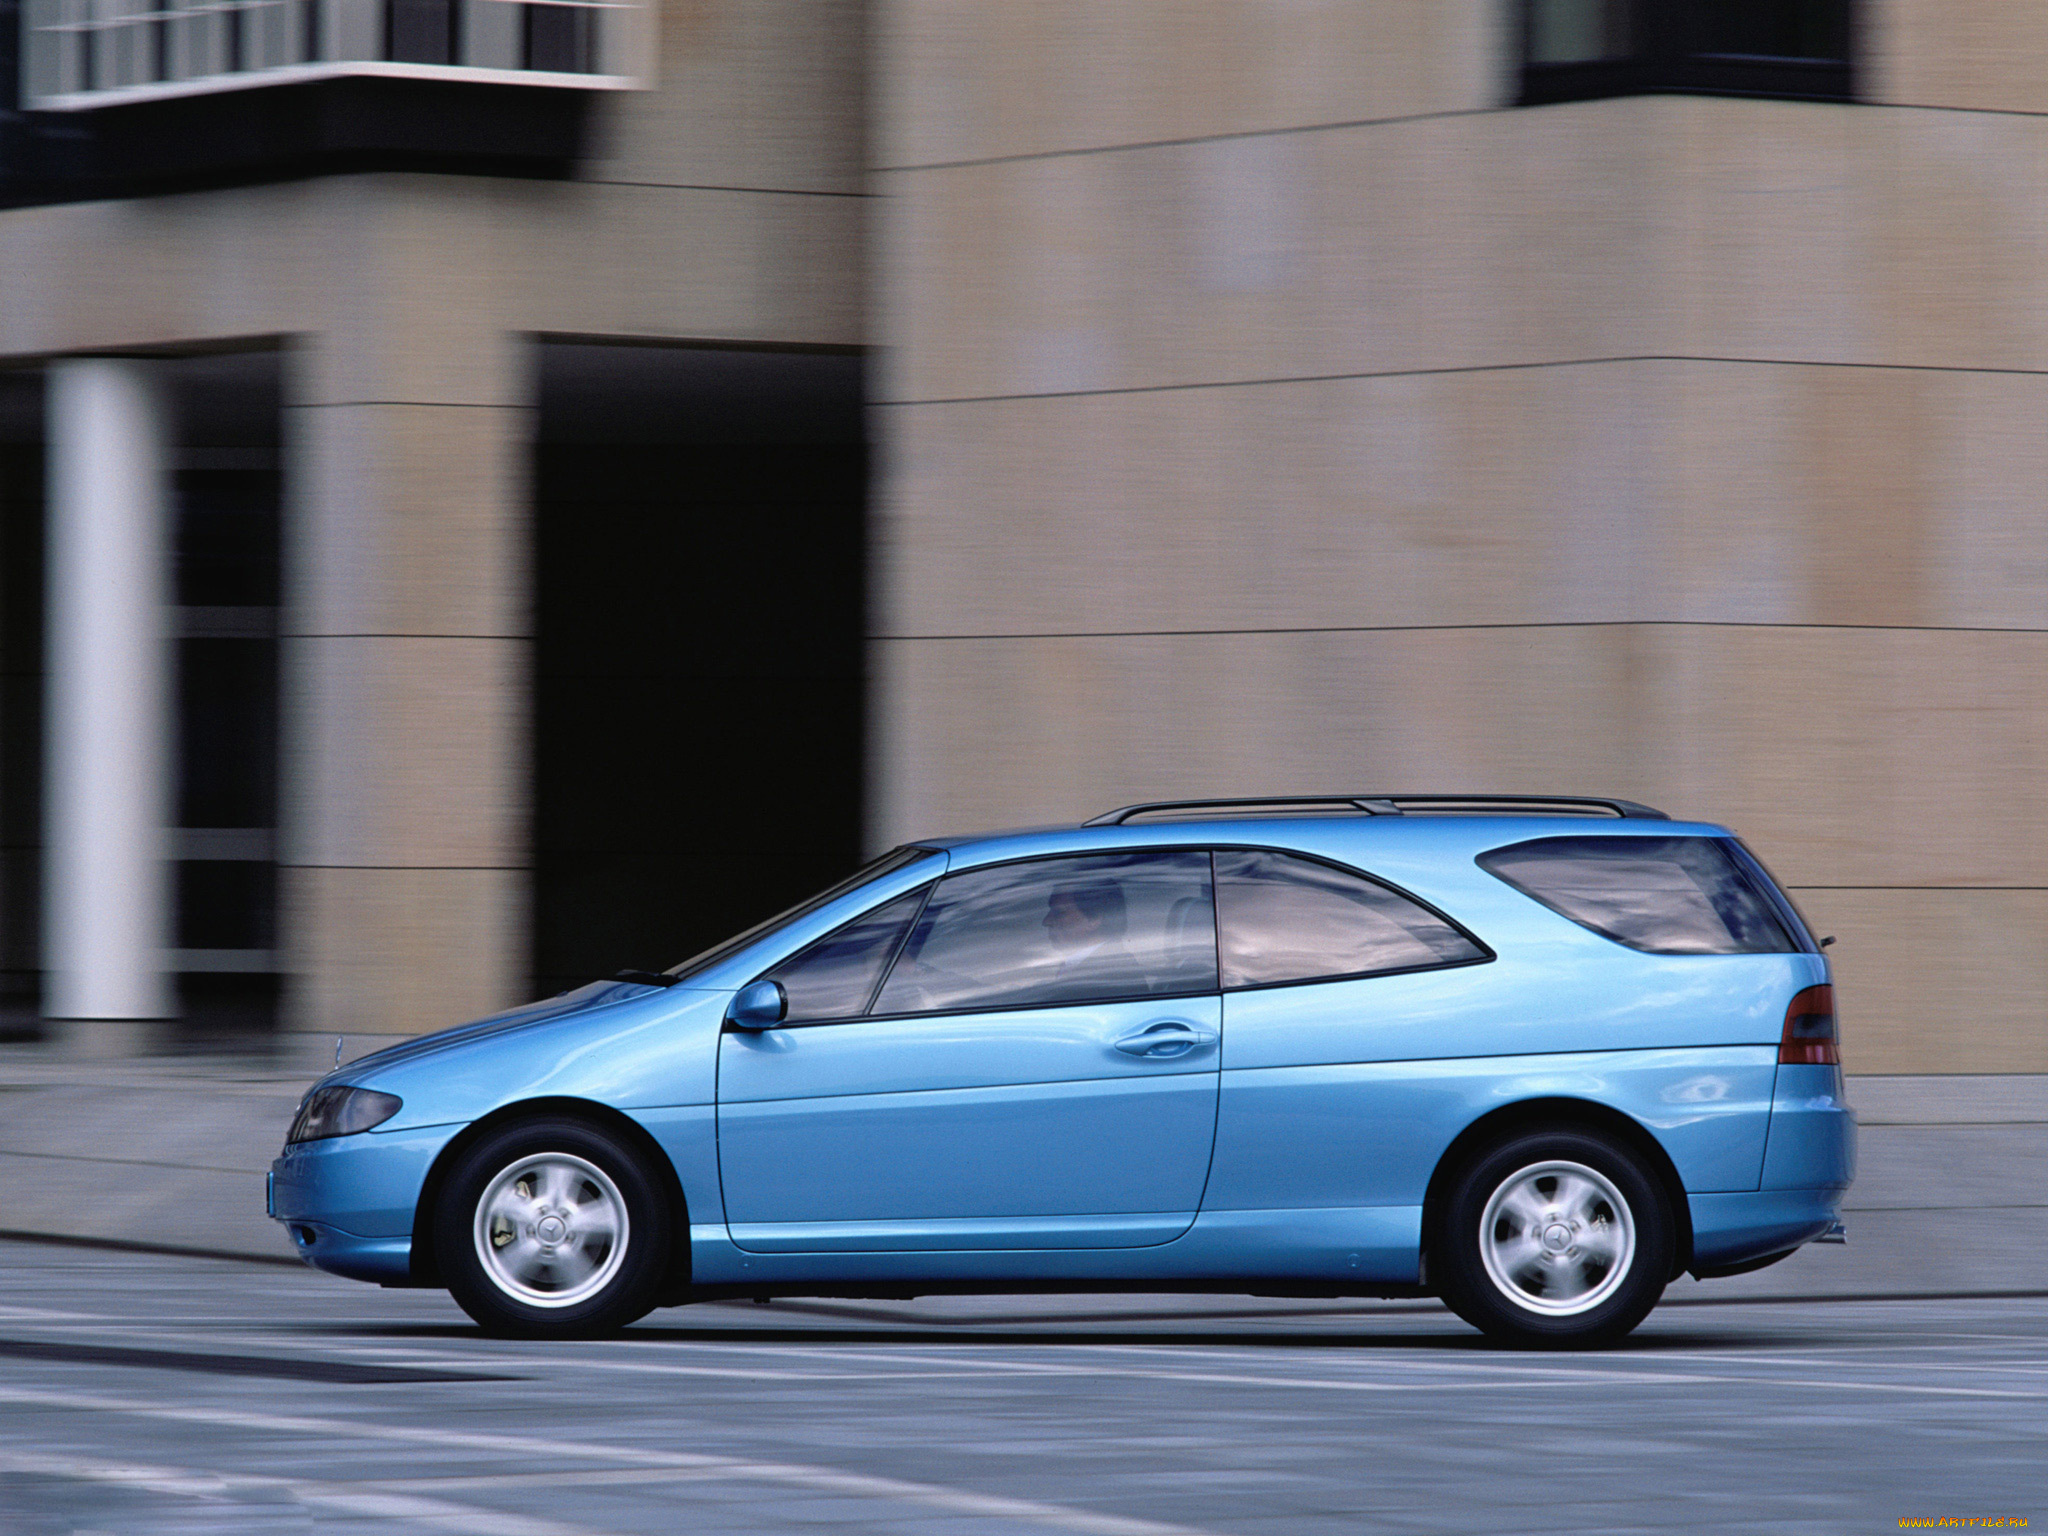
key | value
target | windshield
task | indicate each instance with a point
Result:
(893, 860)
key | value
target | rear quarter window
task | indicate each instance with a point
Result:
(1286, 919)
(1662, 895)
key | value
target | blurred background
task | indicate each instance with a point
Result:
(494, 491)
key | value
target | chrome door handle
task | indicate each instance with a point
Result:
(1165, 1040)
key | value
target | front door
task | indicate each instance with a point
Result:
(1020, 1056)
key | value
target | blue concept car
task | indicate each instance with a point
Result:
(1535, 1057)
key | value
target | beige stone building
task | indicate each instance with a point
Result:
(1273, 401)
(1266, 396)
(458, 391)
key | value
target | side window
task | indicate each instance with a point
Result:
(1664, 895)
(834, 977)
(1052, 931)
(1289, 919)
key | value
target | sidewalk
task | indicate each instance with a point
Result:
(166, 1151)
(170, 1152)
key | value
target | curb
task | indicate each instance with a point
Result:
(167, 1250)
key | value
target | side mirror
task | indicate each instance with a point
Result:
(758, 1005)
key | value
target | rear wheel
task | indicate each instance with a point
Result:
(1555, 1238)
(553, 1228)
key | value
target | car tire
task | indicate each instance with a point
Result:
(553, 1228)
(1556, 1238)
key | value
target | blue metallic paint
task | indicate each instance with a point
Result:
(991, 1049)
(1372, 1134)
(984, 1124)
(1005, 1234)
(378, 1260)
(688, 1133)
(1530, 1001)
(1726, 1229)
(658, 1049)
(1360, 1246)
(367, 1184)
(1329, 1104)
(1813, 1142)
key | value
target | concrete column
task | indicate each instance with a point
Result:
(108, 765)
(406, 654)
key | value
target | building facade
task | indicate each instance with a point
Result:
(1634, 398)
(1637, 397)
(448, 484)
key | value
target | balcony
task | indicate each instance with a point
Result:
(80, 55)
(123, 98)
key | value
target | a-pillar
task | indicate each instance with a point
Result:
(406, 658)
(108, 706)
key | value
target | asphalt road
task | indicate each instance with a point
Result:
(141, 1393)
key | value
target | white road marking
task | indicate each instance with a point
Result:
(374, 1501)
(946, 1362)
(272, 1344)
(1476, 1376)
(43, 1314)
(956, 1501)
(731, 1372)
(1494, 1375)
(856, 1351)
(627, 1475)
(1637, 1366)
(965, 1358)
(1909, 1366)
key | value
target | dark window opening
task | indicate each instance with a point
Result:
(560, 37)
(21, 701)
(1576, 49)
(700, 620)
(420, 32)
(227, 495)
(227, 905)
(227, 717)
(227, 529)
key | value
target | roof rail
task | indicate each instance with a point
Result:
(1398, 805)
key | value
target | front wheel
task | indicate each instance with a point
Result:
(553, 1229)
(1555, 1239)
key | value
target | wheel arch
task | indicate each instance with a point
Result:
(1575, 1114)
(425, 1263)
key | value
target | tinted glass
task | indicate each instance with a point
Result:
(835, 977)
(1666, 895)
(1577, 31)
(1288, 919)
(1789, 911)
(888, 863)
(1054, 931)
(1776, 29)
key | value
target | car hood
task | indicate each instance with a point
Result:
(583, 999)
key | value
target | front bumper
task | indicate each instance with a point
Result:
(379, 1260)
(349, 1202)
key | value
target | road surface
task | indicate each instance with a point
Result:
(149, 1393)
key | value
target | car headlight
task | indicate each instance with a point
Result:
(338, 1111)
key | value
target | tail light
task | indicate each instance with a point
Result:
(1809, 1038)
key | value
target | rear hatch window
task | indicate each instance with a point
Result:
(1663, 895)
